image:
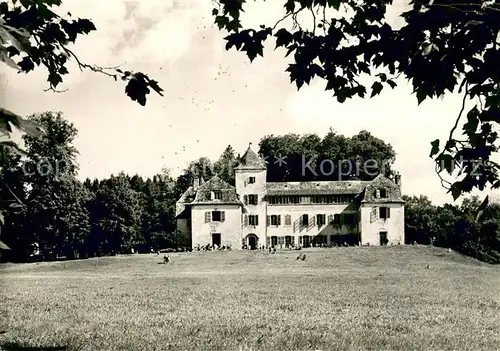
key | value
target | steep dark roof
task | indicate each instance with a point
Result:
(393, 191)
(250, 160)
(316, 188)
(186, 198)
(228, 192)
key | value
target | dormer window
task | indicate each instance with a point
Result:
(380, 193)
(216, 195)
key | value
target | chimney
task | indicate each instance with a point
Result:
(196, 183)
(397, 179)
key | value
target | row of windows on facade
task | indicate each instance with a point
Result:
(275, 220)
(289, 240)
(304, 220)
(305, 200)
(253, 199)
(380, 193)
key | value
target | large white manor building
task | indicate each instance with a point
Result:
(257, 213)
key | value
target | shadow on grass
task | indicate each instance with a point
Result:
(18, 347)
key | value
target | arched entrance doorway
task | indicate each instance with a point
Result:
(252, 241)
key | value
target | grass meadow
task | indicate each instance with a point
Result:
(356, 298)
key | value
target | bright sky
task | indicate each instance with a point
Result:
(212, 97)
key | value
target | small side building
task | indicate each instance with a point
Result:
(210, 213)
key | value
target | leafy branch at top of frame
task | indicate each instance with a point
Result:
(31, 34)
(313, 52)
(442, 43)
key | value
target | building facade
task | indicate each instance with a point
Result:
(255, 213)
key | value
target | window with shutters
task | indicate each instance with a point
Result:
(384, 212)
(218, 216)
(321, 219)
(305, 220)
(253, 220)
(275, 220)
(312, 222)
(288, 219)
(253, 199)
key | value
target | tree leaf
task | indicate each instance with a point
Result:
(335, 3)
(455, 190)
(3, 246)
(376, 89)
(391, 83)
(283, 38)
(421, 95)
(446, 161)
(290, 6)
(435, 147)
(6, 38)
(11, 145)
(54, 79)
(4, 56)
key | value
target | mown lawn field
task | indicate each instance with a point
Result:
(359, 298)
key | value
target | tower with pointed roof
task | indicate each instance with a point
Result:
(250, 180)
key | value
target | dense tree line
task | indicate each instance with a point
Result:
(471, 228)
(46, 209)
(294, 157)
